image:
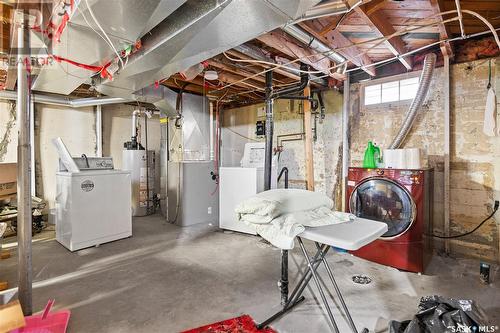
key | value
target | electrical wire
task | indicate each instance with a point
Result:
(378, 41)
(104, 32)
(91, 27)
(473, 230)
(396, 58)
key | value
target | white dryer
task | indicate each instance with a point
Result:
(239, 183)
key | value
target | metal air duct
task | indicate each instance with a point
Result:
(423, 88)
(330, 8)
(315, 44)
(64, 101)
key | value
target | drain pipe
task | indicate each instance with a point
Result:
(270, 96)
(64, 101)
(269, 131)
(423, 88)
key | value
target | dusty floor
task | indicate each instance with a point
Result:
(167, 279)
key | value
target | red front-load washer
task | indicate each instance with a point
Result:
(400, 198)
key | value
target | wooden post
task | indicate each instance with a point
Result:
(446, 198)
(345, 140)
(308, 141)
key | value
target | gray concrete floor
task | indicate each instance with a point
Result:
(168, 279)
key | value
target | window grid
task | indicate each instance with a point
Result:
(392, 91)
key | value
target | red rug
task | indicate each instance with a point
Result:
(243, 324)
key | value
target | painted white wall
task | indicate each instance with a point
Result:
(76, 127)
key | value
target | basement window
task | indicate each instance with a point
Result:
(392, 91)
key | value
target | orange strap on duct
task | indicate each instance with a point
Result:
(103, 71)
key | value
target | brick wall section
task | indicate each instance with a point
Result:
(475, 158)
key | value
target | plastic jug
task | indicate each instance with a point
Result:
(372, 156)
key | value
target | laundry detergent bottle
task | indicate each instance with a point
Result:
(372, 156)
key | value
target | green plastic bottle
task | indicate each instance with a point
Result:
(372, 156)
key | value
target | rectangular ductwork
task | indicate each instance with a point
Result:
(181, 33)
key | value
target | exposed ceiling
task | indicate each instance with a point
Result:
(356, 34)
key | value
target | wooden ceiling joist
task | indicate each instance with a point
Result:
(446, 48)
(383, 26)
(334, 39)
(281, 42)
(282, 72)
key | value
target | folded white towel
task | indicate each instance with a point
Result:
(280, 215)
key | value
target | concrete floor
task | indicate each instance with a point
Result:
(168, 279)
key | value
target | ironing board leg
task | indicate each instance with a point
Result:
(296, 296)
(318, 284)
(337, 290)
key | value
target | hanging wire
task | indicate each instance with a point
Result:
(378, 41)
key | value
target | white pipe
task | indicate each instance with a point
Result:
(477, 34)
(134, 123)
(211, 108)
(64, 101)
(98, 130)
(460, 18)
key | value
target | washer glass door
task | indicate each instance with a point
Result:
(384, 200)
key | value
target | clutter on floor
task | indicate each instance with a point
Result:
(225, 151)
(11, 316)
(438, 314)
(243, 324)
(46, 322)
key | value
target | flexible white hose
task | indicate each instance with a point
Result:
(104, 32)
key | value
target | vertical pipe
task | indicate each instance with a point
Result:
(98, 130)
(212, 123)
(23, 166)
(460, 18)
(345, 139)
(32, 143)
(284, 260)
(446, 198)
(308, 141)
(269, 131)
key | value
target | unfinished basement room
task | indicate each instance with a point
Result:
(249, 166)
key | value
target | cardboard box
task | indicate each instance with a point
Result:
(8, 178)
(11, 317)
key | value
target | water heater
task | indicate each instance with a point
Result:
(141, 164)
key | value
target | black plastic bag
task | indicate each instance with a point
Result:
(439, 314)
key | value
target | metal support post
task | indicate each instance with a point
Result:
(24, 215)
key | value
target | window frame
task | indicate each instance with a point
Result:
(387, 79)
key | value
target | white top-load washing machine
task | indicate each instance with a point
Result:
(93, 202)
(239, 183)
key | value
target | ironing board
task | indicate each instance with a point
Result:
(349, 236)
